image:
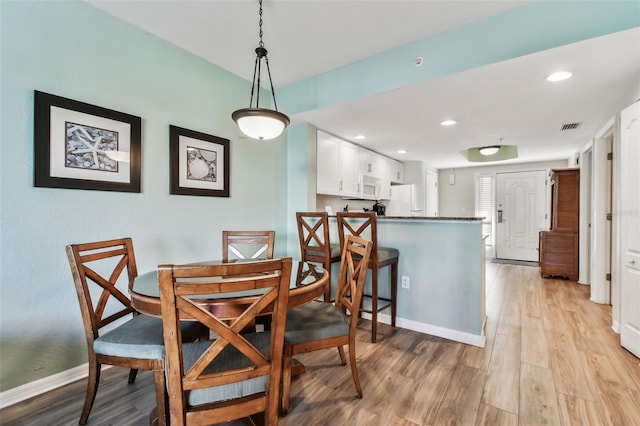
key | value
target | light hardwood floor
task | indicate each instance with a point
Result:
(551, 358)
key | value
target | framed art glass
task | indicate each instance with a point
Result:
(83, 146)
(199, 163)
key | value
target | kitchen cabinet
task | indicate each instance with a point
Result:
(365, 162)
(386, 170)
(340, 164)
(336, 166)
(349, 173)
(377, 165)
(397, 172)
(327, 164)
(558, 248)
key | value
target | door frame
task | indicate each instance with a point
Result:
(600, 263)
(584, 263)
(610, 129)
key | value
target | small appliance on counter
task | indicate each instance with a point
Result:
(379, 208)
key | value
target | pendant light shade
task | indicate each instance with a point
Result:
(260, 123)
(256, 122)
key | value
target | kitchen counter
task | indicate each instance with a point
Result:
(429, 218)
(443, 257)
(436, 218)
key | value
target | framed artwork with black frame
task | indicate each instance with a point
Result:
(83, 146)
(199, 163)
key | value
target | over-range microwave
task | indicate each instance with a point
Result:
(369, 187)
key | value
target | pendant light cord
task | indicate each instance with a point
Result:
(260, 24)
(261, 52)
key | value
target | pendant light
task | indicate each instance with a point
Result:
(256, 122)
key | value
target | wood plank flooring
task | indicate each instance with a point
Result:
(550, 359)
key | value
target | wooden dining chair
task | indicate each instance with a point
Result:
(242, 245)
(364, 224)
(315, 246)
(321, 325)
(247, 245)
(236, 375)
(137, 343)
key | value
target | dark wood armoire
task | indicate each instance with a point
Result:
(558, 248)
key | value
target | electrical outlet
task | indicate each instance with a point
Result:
(405, 281)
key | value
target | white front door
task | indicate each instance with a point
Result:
(630, 228)
(520, 211)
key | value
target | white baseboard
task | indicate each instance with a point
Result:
(616, 326)
(434, 330)
(38, 387)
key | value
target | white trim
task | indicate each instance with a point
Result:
(434, 330)
(615, 326)
(46, 384)
(38, 387)
(607, 129)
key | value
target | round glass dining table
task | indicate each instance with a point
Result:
(307, 283)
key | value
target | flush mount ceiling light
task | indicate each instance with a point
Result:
(489, 150)
(448, 122)
(402, 151)
(491, 153)
(559, 76)
(256, 122)
(359, 137)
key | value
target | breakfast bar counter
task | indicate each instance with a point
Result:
(442, 260)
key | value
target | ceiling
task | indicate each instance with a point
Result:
(508, 100)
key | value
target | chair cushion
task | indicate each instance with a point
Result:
(315, 321)
(230, 358)
(387, 253)
(141, 337)
(335, 251)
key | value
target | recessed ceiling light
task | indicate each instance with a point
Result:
(402, 151)
(448, 122)
(359, 137)
(559, 76)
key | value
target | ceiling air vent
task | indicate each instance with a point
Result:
(570, 126)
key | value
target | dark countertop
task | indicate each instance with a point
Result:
(430, 218)
(436, 218)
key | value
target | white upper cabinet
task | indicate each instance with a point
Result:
(387, 167)
(337, 166)
(328, 164)
(365, 162)
(349, 169)
(397, 172)
(341, 163)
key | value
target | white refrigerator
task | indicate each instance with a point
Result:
(406, 200)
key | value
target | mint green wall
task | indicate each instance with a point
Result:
(71, 49)
(536, 26)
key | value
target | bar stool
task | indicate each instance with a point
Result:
(315, 246)
(363, 224)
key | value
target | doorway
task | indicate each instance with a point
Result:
(520, 214)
